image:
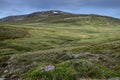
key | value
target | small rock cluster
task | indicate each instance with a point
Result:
(48, 68)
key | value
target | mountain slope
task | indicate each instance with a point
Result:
(34, 16)
(70, 46)
(8, 32)
(56, 16)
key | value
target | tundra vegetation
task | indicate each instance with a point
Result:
(71, 47)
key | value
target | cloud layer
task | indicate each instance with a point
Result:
(103, 7)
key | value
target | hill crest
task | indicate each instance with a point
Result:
(47, 16)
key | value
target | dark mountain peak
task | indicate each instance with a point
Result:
(53, 11)
(49, 13)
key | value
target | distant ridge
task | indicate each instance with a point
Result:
(45, 16)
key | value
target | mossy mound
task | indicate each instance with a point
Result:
(72, 70)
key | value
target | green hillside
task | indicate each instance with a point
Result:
(78, 46)
(9, 32)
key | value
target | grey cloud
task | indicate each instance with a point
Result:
(6, 6)
(46, 4)
(73, 3)
(3, 4)
(16, 10)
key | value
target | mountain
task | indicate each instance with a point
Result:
(57, 45)
(36, 16)
(53, 16)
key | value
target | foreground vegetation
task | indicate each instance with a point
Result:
(77, 47)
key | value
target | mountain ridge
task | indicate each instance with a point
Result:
(43, 15)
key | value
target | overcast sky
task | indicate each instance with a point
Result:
(19, 7)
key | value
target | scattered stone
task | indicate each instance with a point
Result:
(107, 52)
(5, 71)
(13, 77)
(3, 79)
(48, 68)
(75, 56)
(34, 63)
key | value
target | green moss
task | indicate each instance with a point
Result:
(71, 70)
(7, 51)
(9, 32)
(85, 68)
(61, 71)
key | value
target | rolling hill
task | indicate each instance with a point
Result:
(71, 46)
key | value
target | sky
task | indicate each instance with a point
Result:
(20, 7)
